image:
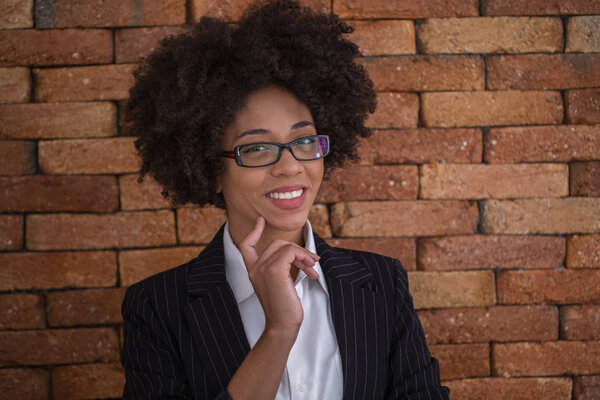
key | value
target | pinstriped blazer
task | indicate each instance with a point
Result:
(184, 337)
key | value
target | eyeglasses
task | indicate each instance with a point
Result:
(266, 153)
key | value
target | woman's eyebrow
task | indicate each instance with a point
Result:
(302, 124)
(259, 131)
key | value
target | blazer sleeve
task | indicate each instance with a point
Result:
(414, 373)
(153, 370)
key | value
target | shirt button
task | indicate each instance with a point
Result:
(301, 386)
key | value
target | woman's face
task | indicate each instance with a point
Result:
(271, 114)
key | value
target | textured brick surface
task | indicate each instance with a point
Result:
(88, 381)
(21, 311)
(24, 383)
(583, 106)
(462, 360)
(395, 110)
(583, 34)
(138, 196)
(232, 10)
(134, 43)
(384, 37)
(586, 387)
(11, 232)
(85, 307)
(490, 251)
(405, 8)
(452, 289)
(16, 14)
(583, 251)
(515, 388)
(404, 249)
(15, 85)
(585, 179)
(580, 322)
(198, 225)
(491, 35)
(539, 7)
(449, 109)
(319, 220)
(19, 157)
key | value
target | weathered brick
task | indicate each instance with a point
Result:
(139, 196)
(546, 358)
(319, 220)
(450, 109)
(564, 215)
(85, 307)
(542, 143)
(419, 73)
(88, 381)
(88, 156)
(404, 218)
(99, 82)
(24, 383)
(419, 146)
(539, 7)
(15, 85)
(135, 265)
(490, 35)
(21, 311)
(58, 346)
(198, 224)
(583, 34)
(16, 14)
(405, 8)
(580, 322)
(404, 249)
(462, 360)
(100, 231)
(543, 71)
(516, 388)
(19, 157)
(133, 44)
(57, 120)
(499, 323)
(583, 106)
(384, 37)
(395, 110)
(59, 193)
(370, 183)
(490, 252)
(452, 289)
(55, 47)
(105, 13)
(585, 179)
(55, 270)
(11, 232)
(232, 10)
(586, 387)
(549, 287)
(583, 251)
(478, 181)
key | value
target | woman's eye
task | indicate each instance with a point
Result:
(306, 140)
(254, 148)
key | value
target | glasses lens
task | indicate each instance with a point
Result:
(257, 154)
(310, 147)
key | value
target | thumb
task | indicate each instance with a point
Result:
(247, 247)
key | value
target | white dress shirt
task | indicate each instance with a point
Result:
(314, 366)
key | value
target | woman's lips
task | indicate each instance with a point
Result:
(284, 199)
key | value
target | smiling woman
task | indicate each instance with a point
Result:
(250, 119)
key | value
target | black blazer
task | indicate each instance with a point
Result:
(184, 337)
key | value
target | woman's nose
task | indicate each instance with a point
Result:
(287, 164)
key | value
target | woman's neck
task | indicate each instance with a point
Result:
(238, 234)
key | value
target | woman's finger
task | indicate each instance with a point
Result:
(248, 245)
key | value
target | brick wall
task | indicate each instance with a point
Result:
(482, 176)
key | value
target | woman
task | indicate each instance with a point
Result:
(250, 118)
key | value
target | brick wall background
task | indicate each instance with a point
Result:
(482, 176)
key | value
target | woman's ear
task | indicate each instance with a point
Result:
(218, 186)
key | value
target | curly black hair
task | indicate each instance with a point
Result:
(188, 90)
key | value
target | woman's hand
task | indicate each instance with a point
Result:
(270, 276)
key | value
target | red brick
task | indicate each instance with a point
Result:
(405, 8)
(490, 252)
(542, 143)
(419, 146)
(395, 110)
(564, 215)
(586, 387)
(88, 156)
(21, 311)
(583, 251)
(491, 35)
(450, 109)
(19, 157)
(583, 34)
(11, 232)
(24, 383)
(478, 181)
(549, 287)
(101, 231)
(135, 265)
(99, 82)
(583, 106)
(319, 220)
(585, 179)
(198, 225)
(404, 249)
(580, 322)
(85, 307)
(15, 85)
(59, 193)
(500, 323)
(57, 120)
(506, 388)
(404, 218)
(462, 360)
(88, 381)
(370, 183)
(139, 196)
(55, 47)
(539, 7)
(546, 358)
(105, 13)
(55, 270)
(16, 14)
(419, 73)
(543, 71)
(232, 10)
(58, 346)
(384, 37)
(452, 289)
(133, 44)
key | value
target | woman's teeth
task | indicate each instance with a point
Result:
(286, 195)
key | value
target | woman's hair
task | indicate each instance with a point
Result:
(187, 91)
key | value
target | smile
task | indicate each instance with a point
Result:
(287, 195)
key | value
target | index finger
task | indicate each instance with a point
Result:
(247, 246)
